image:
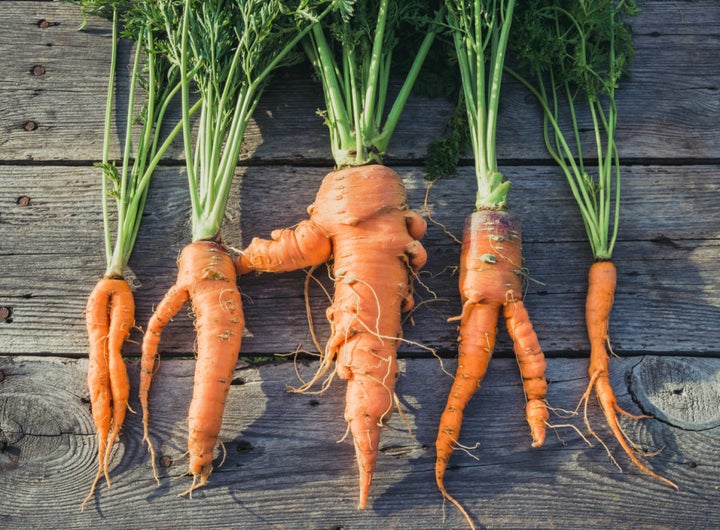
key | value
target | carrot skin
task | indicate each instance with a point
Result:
(361, 219)
(109, 318)
(206, 277)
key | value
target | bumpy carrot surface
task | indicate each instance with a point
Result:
(109, 317)
(206, 277)
(602, 281)
(360, 217)
(490, 283)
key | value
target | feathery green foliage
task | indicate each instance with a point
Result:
(571, 55)
(229, 48)
(480, 31)
(353, 55)
(145, 141)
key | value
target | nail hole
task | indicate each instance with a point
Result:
(38, 69)
(6, 314)
(30, 126)
(23, 200)
(314, 402)
(165, 461)
(238, 381)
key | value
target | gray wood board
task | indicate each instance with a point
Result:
(284, 469)
(669, 106)
(667, 298)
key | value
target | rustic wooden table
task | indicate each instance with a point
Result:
(283, 467)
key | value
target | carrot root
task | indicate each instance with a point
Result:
(490, 283)
(206, 277)
(109, 318)
(361, 219)
(602, 281)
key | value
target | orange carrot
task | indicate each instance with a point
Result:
(490, 282)
(206, 276)
(602, 279)
(360, 216)
(109, 317)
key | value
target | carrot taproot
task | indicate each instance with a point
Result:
(109, 318)
(206, 277)
(602, 281)
(490, 284)
(361, 218)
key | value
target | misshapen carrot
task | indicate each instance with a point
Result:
(602, 281)
(109, 318)
(360, 217)
(206, 276)
(490, 283)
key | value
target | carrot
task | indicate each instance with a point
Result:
(206, 277)
(589, 47)
(490, 283)
(360, 216)
(602, 279)
(109, 317)
(491, 262)
(247, 41)
(110, 307)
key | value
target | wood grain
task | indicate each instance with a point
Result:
(51, 254)
(284, 469)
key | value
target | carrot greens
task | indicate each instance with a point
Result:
(353, 58)
(571, 56)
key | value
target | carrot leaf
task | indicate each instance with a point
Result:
(571, 55)
(352, 54)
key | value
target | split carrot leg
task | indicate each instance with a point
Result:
(206, 276)
(361, 219)
(531, 361)
(109, 317)
(602, 281)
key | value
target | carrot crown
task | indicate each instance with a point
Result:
(571, 56)
(480, 32)
(352, 53)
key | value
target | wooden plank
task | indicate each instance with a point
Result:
(669, 106)
(284, 469)
(51, 255)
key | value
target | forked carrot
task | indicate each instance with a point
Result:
(206, 277)
(109, 317)
(491, 283)
(247, 41)
(491, 261)
(360, 217)
(110, 307)
(602, 279)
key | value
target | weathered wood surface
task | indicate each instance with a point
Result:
(284, 469)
